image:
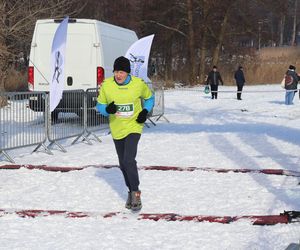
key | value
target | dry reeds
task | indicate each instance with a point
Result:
(268, 65)
(16, 81)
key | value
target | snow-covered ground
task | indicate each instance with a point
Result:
(256, 133)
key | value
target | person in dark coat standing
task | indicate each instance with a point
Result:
(213, 79)
(240, 81)
(291, 85)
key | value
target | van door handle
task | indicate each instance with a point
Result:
(70, 81)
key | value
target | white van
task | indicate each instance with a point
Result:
(91, 48)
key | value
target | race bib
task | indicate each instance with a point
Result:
(125, 110)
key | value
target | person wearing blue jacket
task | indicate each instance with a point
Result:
(240, 81)
(291, 85)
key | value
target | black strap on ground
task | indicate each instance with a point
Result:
(293, 216)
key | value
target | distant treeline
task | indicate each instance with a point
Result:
(190, 35)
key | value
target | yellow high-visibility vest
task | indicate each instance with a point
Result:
(128, 99)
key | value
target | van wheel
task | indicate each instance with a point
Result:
(79, 113)
(54, 116)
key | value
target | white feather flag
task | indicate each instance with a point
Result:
(57, 62)
(138, 54)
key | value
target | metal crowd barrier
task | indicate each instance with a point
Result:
(20, 125)
(76, 116)
(67, 120)
(26, 119)
(94, 120)
(159, 106)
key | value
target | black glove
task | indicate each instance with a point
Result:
(142, 117)
(111, 108)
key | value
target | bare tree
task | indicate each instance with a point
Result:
(191, 41)
(205, 10)
(17, 19)
(294, 31)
